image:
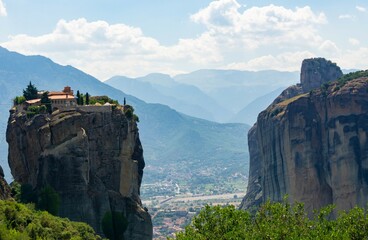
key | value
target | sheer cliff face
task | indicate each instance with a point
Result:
(93, 160)
(313, 147)
(5, 191)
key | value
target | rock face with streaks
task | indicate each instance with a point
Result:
(93, 160)
(5, 191)
(312, 145)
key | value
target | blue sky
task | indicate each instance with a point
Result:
(134, 38)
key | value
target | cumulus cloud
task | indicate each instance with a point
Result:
(104, 50)
(329, 47)
(354, 42)
(2, 9)
(288, 61)
(354, 59)
(258, 26)
(346, 16)
(237, 37)
(361, 9)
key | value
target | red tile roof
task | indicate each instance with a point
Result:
(33, 101)
(62, 97)
(58, 93)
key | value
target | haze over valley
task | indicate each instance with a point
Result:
(145, 115)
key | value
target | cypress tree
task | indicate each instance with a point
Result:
(87, 98)
(30, 92)
(78, 97)
(45, 100)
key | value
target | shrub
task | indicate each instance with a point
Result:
(350, 76)
(129, 113)
(276, 221)
(46, 101)
(19, 100)
(135, 118)
(19, 221)
(102, 100)
(30, 114)
(35, 109)
(43, 109)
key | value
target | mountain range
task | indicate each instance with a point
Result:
(170, 139)
(215, 95)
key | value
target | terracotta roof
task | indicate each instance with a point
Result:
(62, 97)
(57, 93)
(33, 101)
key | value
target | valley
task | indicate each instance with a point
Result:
(171, 214)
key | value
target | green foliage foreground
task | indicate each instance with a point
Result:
(19, 221)
(276, 221)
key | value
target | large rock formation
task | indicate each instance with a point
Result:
(317, 71)
(314, 73)
(312, 146)
(94, 160)
(5, 192)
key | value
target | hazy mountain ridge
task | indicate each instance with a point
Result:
(218, 95)
(162, 129)
(169, 93)
(250, 112)
(235, 89)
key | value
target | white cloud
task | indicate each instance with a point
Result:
(354, 42)
(2, 9)
(346, 16)
(328, 47)
(354, 59)
(259, 26)
(288, 61)
(104, 50)
(253, 38)
(361, 9)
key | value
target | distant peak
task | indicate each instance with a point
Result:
(317, 71)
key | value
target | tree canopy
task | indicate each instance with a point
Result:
(276, 221)
(30, 92)
(45, 100)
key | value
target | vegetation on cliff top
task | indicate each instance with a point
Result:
(19, 221)
(350, 76)
(276, 221)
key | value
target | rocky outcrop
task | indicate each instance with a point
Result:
(94, 160)
(314, 73)
(313, 147)
(317, 71)
(5, 191)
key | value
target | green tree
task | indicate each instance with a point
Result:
(129, 113)
(87, 98)
(81, 101)
(30, 92)
(45, 100)
(78, 97)
(20, 221)
(19, 100)
(276, 221)
(49, 200)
